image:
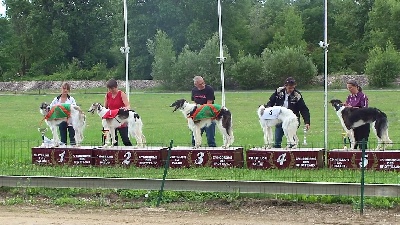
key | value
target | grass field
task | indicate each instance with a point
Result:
(20, 119)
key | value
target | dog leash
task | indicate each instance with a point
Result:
(305, 135)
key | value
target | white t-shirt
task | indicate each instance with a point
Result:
(286, 102)
(57, 101)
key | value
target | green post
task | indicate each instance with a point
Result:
(166, 166)
(362, 176)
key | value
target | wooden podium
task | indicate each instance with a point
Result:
(279, 158)
(98, 156)
(374, 160)
(139, 157)
(127, 156)
(62, 156)
(205, 156)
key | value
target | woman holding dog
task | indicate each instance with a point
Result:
(357, 99)
(116, 99)
(64, 127)
(289, 97)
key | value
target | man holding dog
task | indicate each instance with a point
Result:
(289, 97)
(203, 93)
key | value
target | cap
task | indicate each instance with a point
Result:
(290, 81)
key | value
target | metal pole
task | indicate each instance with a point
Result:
(363, 144)
(166, 167)
(326, 74)
(221, 53)
(126, 50)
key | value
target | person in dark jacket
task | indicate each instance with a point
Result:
(288, 96)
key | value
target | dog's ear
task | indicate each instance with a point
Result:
(178, 104)
(336, 102)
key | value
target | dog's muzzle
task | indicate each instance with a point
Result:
(174, 105)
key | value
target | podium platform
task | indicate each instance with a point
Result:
(205, 157)
(67, 155)
(98, 156)
(374, 160)
(279, 158)
(139, 157)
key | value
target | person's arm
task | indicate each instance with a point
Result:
(363, 101)
(210, 95)
(72, 100)
(305, 112)
(105, 102)
(272, 100)
(125, 100)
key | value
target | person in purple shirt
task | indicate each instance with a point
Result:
(357, 99)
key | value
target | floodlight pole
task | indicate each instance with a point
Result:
(125, 50)
(221, 53)
(325, 46)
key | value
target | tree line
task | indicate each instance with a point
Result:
(172, 40)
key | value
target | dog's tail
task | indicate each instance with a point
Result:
(260, 110)
(381, 124)
(226, 119)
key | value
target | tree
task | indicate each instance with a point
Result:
(383, 65)
(164, 57)
(247, 72)
(290, 32)
(204, 63)
(282, 63)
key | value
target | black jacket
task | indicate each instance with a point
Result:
(296, 103)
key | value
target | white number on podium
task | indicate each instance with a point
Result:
(281, 159)
(200, 158)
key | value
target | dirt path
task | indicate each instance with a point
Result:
(267, 214)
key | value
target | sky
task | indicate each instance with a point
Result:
(2, 9)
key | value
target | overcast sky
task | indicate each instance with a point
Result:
(2, 9)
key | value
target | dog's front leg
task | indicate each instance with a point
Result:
(107, 134)
(112, 134)
(56, 139)
(268, 137)
(197, 137)
(350, 134)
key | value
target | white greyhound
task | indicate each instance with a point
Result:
(272, 116)
(64, 112)
(221, 115)
(121, 116)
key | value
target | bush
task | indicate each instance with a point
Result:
(203, 63)
(248, 72)
(287, 62)
(383, 66)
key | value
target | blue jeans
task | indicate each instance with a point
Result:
(278, 136)
(210, 133)
(63, 127)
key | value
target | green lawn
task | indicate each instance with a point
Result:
(20, 119)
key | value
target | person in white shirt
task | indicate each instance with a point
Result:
(65, 126)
